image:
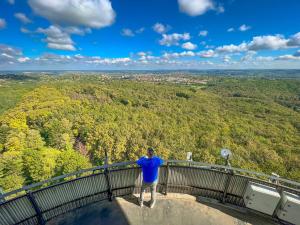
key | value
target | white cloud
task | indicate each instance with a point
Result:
(170, 55)
(146, 57)
(226, 59)
(10, 50)
(76, 30)
(297, 53)
(23, 59)
(130, 33)
(258, 43)
(244, 27)
(264, 58)
(287, 57)
(173, 39)
(294, 40)
(11, 2)
(23, 18)
(127, 32)
(231, 29)
(54, 59)
(203, 33)
(187, 53)
(232, 48)
(107, 61)
(198, 7)
(248, 56)
(189, 46)
(78, 56)
(160, 28)
(140, 30)
(268, 42)
(10, 60)
(207, 54)
(57, 38)
(24, 30)
(220, 9)
(178, 54)
(2, 23)
(90, 13)
(209, 46)
(9, 54)
(141, 54)
(61, 46)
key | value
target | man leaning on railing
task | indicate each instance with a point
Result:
(150, 167)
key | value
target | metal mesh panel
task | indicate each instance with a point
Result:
(237, 186)
(197, 181)
(74, 205)
(16, 211)
(31, 221)
(162, 178)
(197, 177)
(52, 197)
(123, 191)
(125, 178)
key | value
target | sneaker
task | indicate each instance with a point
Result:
(152, 204)
(141, 203)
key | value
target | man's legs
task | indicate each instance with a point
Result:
(153, 194)
(144, 186)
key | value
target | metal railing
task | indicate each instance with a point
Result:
(40, 202)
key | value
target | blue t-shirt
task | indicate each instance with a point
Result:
(150, 168)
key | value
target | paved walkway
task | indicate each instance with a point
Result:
(174, 209)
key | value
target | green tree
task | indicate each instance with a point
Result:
(34, 140)
(70, 161)
(15, 141)
(11, 170)
(40, 164)
(59, 133)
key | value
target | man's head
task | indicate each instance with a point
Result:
(150, 152)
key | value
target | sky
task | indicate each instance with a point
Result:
(149, 34)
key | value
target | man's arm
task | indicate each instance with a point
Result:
(160, 161)
(140, 161)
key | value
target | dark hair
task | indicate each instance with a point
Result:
(151, 150)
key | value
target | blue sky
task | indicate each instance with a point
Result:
(152, 34)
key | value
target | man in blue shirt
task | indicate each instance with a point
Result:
(150, 167)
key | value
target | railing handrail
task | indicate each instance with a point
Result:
(28, 187)
(128, 163)
(238, 170)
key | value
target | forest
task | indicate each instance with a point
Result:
(53, 125)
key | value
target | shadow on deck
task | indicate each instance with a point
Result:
(174, 209)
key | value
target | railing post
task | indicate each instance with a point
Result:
(167, 178)
(2, 199)
(36, 208)
(228, 180)
(106, 173)
(109, 190)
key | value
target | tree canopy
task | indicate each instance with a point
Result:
(67, 124)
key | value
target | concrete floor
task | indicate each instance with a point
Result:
(174, 209)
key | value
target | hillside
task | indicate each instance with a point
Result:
(66, 123)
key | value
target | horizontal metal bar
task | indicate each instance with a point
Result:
(31, 186)
(189, 163)
(236, 170)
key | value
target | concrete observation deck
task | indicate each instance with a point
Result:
(173, 209)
